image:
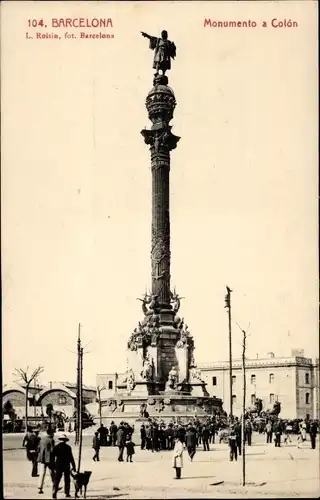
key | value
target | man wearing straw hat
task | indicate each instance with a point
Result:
(62, 459)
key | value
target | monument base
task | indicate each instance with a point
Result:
(167, 407)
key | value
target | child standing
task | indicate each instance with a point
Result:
(129, 444)
(178, 456)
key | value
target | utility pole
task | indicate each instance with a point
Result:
(34, 397)
(243, 436)
(78, 414)
(80, 406)
(228, 307)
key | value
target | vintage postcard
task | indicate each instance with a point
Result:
(159, 249)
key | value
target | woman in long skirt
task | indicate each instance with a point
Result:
(178, 456)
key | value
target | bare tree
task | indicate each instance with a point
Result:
(100, 388)
(26, 379)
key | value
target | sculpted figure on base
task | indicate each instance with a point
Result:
(175, 301)
(164, 51)
(147, 369)
(145, 303)
(172, 379)
(131, 381)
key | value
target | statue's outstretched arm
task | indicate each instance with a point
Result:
(145, 35)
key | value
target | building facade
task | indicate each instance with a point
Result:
(107, 384)
(62, 396)
(293, 381)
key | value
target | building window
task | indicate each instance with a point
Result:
(110, 385)
(234, 399)
(306, 377)
(253, 379)
(271, 398)
(271, 378)
(307, 398)
(214, 380)
(234, 378)
(253, 399)
(62, 400)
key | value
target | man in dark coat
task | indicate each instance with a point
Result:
(63, 460)
(169, 437)
(269, 430)
(27, 436)
(191, 442)
(113, 433)
(45, 457)
(162, 438)
(121, 439)
(143, 436)
(313, 433)
(212, 432)
(155, 437)
(32, 444)
(182, 433)
(96, 443)
(277, 433)
(103, 433)
(128, 429)
(205, 434)
(148, 437)
(248, 432)
(238, 433)
(233, 444)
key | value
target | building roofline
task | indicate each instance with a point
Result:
(15, 388)
(56, 387)
(259, 362)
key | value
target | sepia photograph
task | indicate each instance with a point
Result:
(160, 277)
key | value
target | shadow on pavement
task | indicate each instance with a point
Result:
(254, 454)
(198, 477)
(115, 495)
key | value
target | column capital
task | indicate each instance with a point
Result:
(160, 140)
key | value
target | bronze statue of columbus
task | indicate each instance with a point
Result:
(164, 51)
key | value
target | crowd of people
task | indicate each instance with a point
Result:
(156, 435)
(56, 458)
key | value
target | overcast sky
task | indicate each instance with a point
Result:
(76, 181)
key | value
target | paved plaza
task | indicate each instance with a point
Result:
(271, 472)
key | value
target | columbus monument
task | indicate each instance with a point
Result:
(161, 377)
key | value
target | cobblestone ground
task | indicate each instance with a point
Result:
(271, 472)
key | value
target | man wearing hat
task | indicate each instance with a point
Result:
(121, 441)
(233, 443)
(62, 460)
(32, 444)
(191, 442)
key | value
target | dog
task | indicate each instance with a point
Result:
(81, 480)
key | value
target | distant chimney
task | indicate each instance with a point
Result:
(270, 354)
(50, 385)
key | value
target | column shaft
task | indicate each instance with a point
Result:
(160, 245)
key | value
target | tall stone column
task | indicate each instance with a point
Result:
(160, 236)
(160, 104)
